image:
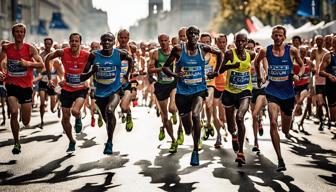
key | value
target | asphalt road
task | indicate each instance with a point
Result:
(142, 163)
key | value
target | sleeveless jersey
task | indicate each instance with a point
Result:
(107, 78)
(16, 74)
(279, 72)
(73, 68)
(331, 68)
(210, 67)
(239, 79)
(306, 75)
(162, 77)
(194, 79)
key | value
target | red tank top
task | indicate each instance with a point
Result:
(305, 76)
(16, 74)
(73, 68)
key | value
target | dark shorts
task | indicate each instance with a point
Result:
(331, 94)
(233, 99)
(299, 89)
(286, 105)
(217, 93)
(103, 101)
(320, 89)
(256, 93)
(43, 86)
(184, 102)
(67, 98)
(162, 91)
(3, 92)
(23, 95)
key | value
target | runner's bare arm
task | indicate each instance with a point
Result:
(324, 64)
(90, 68)
(37, 62)
(261, 55)
(228, 57)
(153, 61)
(3, 56)
(125, 56)
(295, 55)
(51, 56)
(174, 55)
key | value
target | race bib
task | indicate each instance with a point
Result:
(15, 69)
(124, 68)
(239, 80)
(193, 75)
(73, 80)
(106, 75)
(278, 73)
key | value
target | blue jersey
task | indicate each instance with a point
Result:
(331, 68)
(194, 79)
(279, 74)
(107, 78)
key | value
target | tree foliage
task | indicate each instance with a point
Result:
(232, 16)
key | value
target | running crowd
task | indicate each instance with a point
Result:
(196, 81)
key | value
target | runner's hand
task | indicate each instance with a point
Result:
(260, 82)
(25, 63)
(51, 84)
(332, 78)
(212, 75)
(61, 83)
(2, 76)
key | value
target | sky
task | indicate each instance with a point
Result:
(124, 13)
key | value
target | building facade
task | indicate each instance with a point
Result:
(56, 19)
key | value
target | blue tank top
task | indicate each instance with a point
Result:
(194, 79)
(331, 68)
(107, 78)
(279, 72)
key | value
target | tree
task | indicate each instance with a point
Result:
(232, 16)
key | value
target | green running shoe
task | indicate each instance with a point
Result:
(200, 145)
(100, 121)
(16, 149)
(180, 137)
(174, 118)
(129, 123)
(123, 119)
(161, 134)
(78, 125)
(206, 133)
(173, 147)
(212, 130)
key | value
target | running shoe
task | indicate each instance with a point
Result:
(211, 130)
(123, 118)
(173, 147)
(71, 148)
(93, 122)
(260, 129)
(161, 134)
(78, 125)
(235, 144)
(129, 123)
(256, 149)
(240, 158)
(174, 118)
(194, 159)
(218, 142)
(16, 149)
(206, 133)
(180, 137)
(100, 121)
(108, 148)
(281, 166)
(200, 145)
(135, 103)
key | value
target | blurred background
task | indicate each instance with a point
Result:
(147, 18)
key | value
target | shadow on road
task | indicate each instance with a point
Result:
(319, 157)
(44, 173)
(25, 139)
